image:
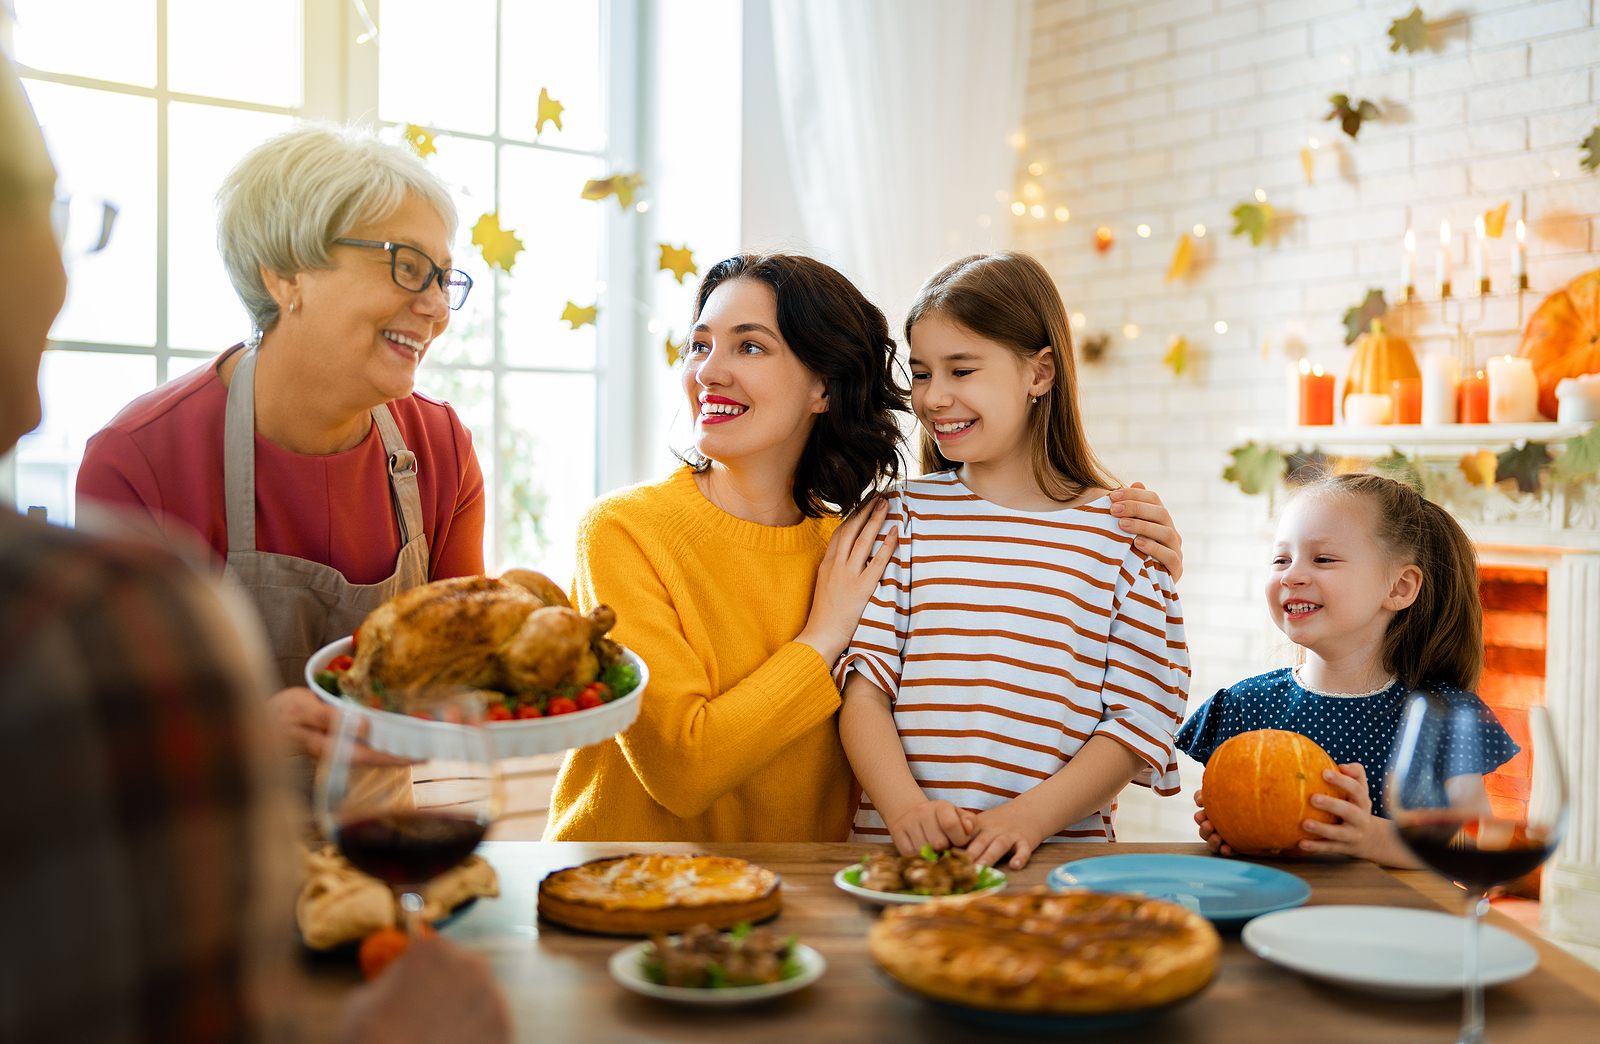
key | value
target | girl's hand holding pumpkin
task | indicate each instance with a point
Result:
(1358, 833)
(1208, 833)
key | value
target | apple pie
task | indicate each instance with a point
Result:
(643, 894)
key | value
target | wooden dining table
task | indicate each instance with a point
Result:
(560, 990)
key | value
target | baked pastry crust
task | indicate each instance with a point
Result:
(1079, 953)
(642, 894)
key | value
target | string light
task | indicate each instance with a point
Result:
(1199, 231)
(642, 206)
(1144, 231)
(1079, 320)
(1036, 169)
(1261, 196)
(1018, 209)
(1030, 190)
(1037, 211)
(1001, 196)
(1130, 331)
(1220, 327)
(1062, 213)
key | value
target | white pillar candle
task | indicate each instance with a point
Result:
(1444, 259)
(1578, 398)
(1362, 409)
(1513, 391)
(1441, 383)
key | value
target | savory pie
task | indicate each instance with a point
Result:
(1074, 954)
(641, 894)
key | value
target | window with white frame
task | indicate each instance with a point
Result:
(147, 103)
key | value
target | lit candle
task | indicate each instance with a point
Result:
(1480, 259)
(1407, 395)
(1316, 395)
(1441, 380)
(1513, 391)
(1519, 259)
(1475, 399)
(1408, 266)
(1364, 409)
(1444, 259)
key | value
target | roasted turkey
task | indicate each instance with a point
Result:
(515, 634)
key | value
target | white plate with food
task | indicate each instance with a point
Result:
(550, 678)
(726, 968)
(1394, 952)
(889, 879)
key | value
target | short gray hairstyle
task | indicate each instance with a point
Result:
(293, 195)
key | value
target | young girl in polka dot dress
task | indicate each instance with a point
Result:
(1380, 588)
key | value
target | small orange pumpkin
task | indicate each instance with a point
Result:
(1563, 337)
(1257, 790)
(1380, 360)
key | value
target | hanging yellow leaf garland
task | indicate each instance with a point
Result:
(1308, 163)
(674, 351)
(419, 139)
(580, 316)
(1494, 221)
(678, 260)
(549, 111)
(1177, 357)
(1479, 467)
(620, 185)
(1253, 220)
(1182, 258)
(500, 246)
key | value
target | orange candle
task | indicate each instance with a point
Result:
(1475, 399)
(1407, 395)
(1316, 395)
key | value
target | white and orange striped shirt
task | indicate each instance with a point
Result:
(1007, 638)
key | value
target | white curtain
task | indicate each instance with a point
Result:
(900, 119)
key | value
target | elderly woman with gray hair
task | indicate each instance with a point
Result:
(306, 456)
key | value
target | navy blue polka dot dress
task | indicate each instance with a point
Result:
(1349, 728)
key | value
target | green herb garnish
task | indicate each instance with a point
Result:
(929, 854)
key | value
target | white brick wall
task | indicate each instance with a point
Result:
(1171, 112)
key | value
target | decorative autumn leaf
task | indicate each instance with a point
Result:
(1479, 467)
(1410, 32)
(1592, 143)
(1401, 468)
(1177, 357)
(1253, 220)
(1494, 221)
(1351, 117)
(579, 316)
(1582, 455)
(1303, 466)
(549, 111)
(1254, 468)
(1308, 163)
(674, 351)
(500, 246)
(1358, 320)
(678, 260)
(419, 139)
(1523, 465)
(1182, 258)
(1094, 347)
(620, 185)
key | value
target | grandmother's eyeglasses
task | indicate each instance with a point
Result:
(415, 271)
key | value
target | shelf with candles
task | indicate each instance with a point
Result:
(1416, 439)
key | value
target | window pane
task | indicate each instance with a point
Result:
(178, 365)
(82, 391)
(549, 473)
(539, 198)
(204, 142)
(555, 47)
(249, 51)
(104, 146)
(471, 394)
(467, 166)
(436, 64)
(106, 39)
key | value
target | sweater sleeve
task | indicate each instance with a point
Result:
(690, 745)
(1147, 672)
(877, 649)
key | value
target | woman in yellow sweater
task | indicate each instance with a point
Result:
(736, 582)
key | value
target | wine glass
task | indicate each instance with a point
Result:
(406, 825)
(1445, 816)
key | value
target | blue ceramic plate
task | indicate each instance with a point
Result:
(1225, 892)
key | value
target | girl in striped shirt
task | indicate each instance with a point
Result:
(1022, 660)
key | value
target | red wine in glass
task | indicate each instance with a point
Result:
(1479, 854)
(411, 847)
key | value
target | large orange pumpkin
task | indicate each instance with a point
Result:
(1257, 790)
(1380, 359)
(1563, 337)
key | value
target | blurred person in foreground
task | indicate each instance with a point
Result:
(146, 844)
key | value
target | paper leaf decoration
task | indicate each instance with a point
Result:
(1401, 468)
(1177, 357)
(1253, 220)
(1592, 143)
(1103, 238)
(1494, 221)
(1351, 117)
(620, 185)
(1410, 32)
(1582, 455)
(549, 111)
(419, 139)
(674, 351)
(1358, 320)
(1182, 258)
(1094, 347)
(1255, 468)
(579, 316)
(1308, 163)
(678, 260)
(500, 246)
(1523, 465)
(1479, 467)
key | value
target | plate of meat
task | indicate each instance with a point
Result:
(890, 879)
(707, 967)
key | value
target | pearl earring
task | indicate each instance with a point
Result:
(292, 306)
(1034, 401)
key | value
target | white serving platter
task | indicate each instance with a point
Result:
(908, 898)
(626, 968)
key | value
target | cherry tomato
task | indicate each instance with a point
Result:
(529, 710)
(341, 663)
(560, 705)
(498, 712)
(590, 697)
(355, 639)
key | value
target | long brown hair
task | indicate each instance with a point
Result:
(1010, 299)
(1439, 637)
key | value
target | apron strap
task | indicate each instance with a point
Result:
(402, 475)
(239, 455)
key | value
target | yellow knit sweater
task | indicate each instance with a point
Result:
(736, 738)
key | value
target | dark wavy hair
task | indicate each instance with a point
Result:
(843, 338)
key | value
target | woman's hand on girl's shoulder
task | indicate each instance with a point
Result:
(848, 575)
(1141, 513)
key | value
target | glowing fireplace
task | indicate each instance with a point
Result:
(1515, 604)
